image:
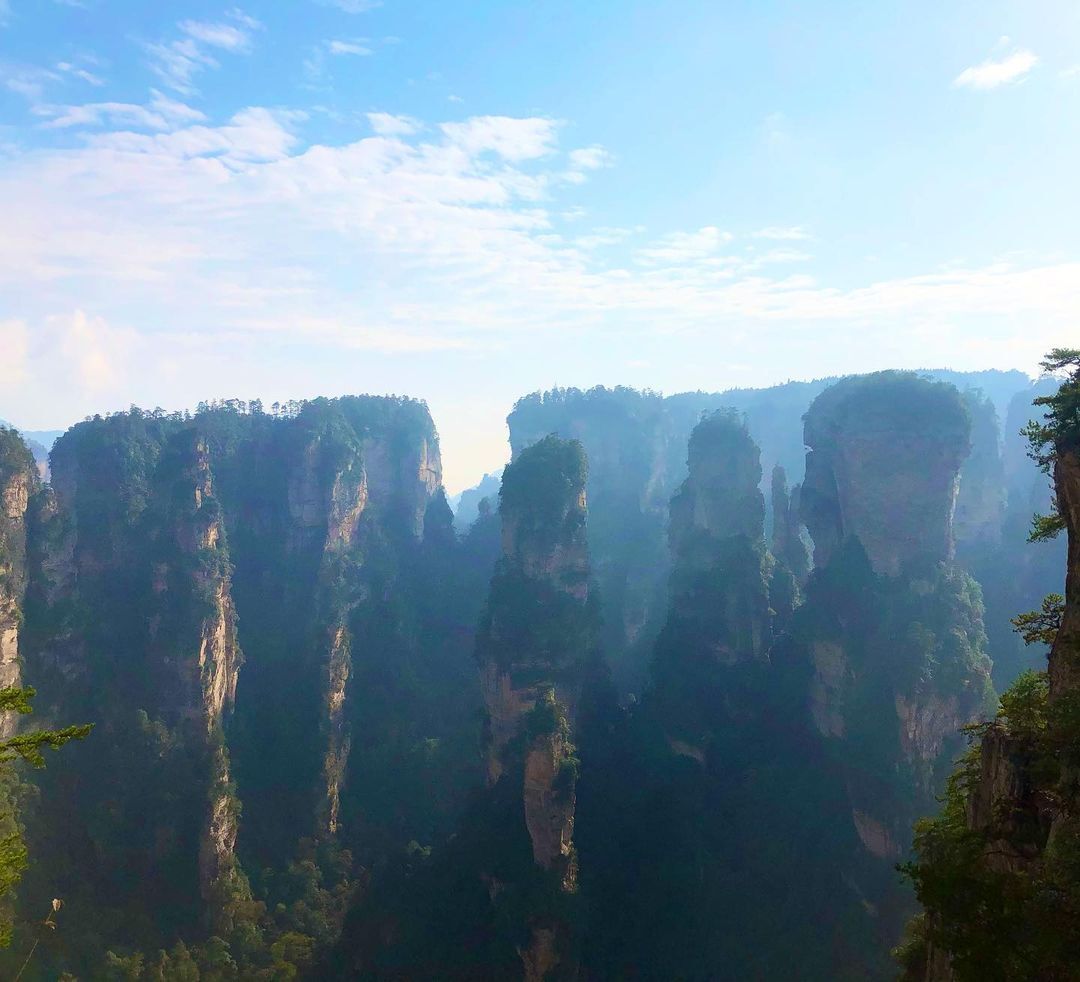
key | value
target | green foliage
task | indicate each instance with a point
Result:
(1060, 427)
(24, 747)
(1046, 527)
(1042, 625)
(540, 491)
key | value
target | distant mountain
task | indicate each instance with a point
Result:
(467, 505)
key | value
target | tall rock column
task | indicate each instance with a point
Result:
(18, 481)
(534, 648)
(892, 627)
(719, 621)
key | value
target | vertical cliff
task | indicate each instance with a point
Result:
(18, 483)
(535, 647)
(892, 627)
(996, 872)
(719, 617)
(316, 540)
(628, 439)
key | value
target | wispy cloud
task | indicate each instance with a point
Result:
(352, 6)
(355, 46)
(452, 239)
(783, 233)
(177, 62)
(993, 73)
(77, 71)
(512, 139)
(27, 81)
(161, 114)
(682, 247)
(387, 124)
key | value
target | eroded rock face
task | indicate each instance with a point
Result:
(18, 481)
(719, 594)
(892, 628)
(178, 534)
(980, 502)
(534, 646)
(1065, 653)
(883, 465)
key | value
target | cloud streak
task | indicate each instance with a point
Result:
(992, 74)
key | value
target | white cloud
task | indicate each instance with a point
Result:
(80, 73)
(226, 36)
(15, 343)
(682, 247)
(590, 158)
(27, 81)
(352, 6)
(511, 138)
(162, 114)
(228, 242)
(387, 124)
(992, 73)
(357, 46)
(177, 62)
(783, 233)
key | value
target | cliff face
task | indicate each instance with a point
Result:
(885, 454)
(980, 503)
(535, 647)
(628, 439)
(208, 589)
(719, 616)
(18, 483)
(996, 871)
(892, 628)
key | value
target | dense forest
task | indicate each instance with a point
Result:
(738, 685)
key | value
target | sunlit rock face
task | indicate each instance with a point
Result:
(197, 583)
(884, 457)
(18, 483)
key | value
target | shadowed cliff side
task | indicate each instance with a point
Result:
(998, 871)
(712, 836)
(315, 540)
(499, 898)
(891, 626)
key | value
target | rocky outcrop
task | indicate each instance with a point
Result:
(1064, 659)
(18, 482)
(892, 629)
(169, 545)
(885, 454)
(534, 648)
(719, 579)
(980, 502)
(787, 543)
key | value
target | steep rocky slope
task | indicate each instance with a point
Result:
(18, 484)
(892, 627)
(997, 871)
(259, 612)
(636, 444)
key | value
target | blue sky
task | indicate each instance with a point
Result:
(469, 201)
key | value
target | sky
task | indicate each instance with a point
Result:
(466, 202)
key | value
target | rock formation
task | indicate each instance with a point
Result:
(719, 616)
(885, 454)
(535, 647)
(892, 628)
(996, 871)
(18, 483)
(166, 546)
